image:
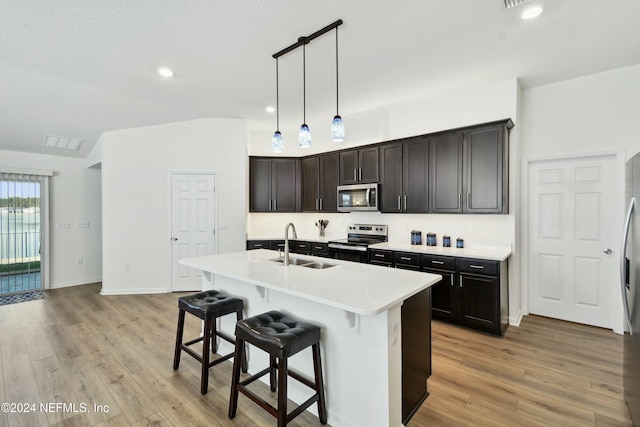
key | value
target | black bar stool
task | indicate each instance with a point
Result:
(208, 306)
(281, 336)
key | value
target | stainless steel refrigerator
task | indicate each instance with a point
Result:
(630, 289)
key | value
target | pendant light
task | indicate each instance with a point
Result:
(337, 126)
(277, 143)
(304, 137)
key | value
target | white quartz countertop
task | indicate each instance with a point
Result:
(315, 239)
(488, 253)
(358, 288)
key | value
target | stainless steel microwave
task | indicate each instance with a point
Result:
(358, 197)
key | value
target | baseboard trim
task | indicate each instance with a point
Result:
(134, 291)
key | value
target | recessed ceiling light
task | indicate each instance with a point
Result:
(270, 109)
(165, 72)
(531, 12)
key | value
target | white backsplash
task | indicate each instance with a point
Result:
(476, 230)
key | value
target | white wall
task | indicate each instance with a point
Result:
(74, 196)
(594, 113)
(480, 105)
(136, 164)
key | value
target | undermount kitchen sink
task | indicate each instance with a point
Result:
(319, 265)
(292, 261)
(305, 263)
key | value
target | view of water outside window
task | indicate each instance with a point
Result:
(19, 236)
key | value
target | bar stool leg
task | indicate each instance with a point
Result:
(273, 377)
(206, 342)
(282, 392)
(178, 350)
(235, 378)
(245, 364)
(317, 369)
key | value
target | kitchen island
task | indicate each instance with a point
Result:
(376, 325)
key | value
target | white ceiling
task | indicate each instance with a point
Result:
(77, 68)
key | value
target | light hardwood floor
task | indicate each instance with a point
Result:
(78, 348)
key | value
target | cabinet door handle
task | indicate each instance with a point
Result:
(320, 204)
(405, 258)
(275, 204)
(316, 204)
(379, 255)
(459, 200)
(355, 175)
(270, 202)
(479, 267)
(399, 207)
(452, 280)
(468, 196)
(360, 178)
(257, 245)
(460, 281)
(437, 262)
(405, 202)
(318, 248)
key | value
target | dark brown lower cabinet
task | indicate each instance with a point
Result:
(416, 352)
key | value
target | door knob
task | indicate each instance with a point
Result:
(174, 239)
(608, 251)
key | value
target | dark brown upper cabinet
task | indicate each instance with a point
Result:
(446, 173)
(404, 176)
(359, 166)
(274, 184)
(469, 170)
(319, 183)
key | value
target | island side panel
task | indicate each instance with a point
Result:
(362, 368)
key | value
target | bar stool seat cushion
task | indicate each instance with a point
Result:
(278, 334)
(210, 304)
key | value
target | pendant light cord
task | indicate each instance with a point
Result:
(304, 84)
(337, 80)
(277, 98)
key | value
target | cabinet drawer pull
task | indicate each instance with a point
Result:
(318, 247)
(406, 258)
(379, 255)
(437, 262)
(480, 267)
(258, 245)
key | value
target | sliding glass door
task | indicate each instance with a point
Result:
(22, 212)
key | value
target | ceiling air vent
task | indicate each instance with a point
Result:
(62, 142)
(513, 3)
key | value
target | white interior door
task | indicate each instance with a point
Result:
(192, 226)
(572, 271)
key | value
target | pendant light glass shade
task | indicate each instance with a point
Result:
(304, 137)
(337, 129)
(337, 125)
(277, 143)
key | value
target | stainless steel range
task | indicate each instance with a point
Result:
(359, 237)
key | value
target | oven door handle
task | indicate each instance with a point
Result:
(348, 247)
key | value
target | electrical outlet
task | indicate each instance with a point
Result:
(83, 224)
(223, 225)
(64, 224)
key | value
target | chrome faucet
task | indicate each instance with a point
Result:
(286, 241)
